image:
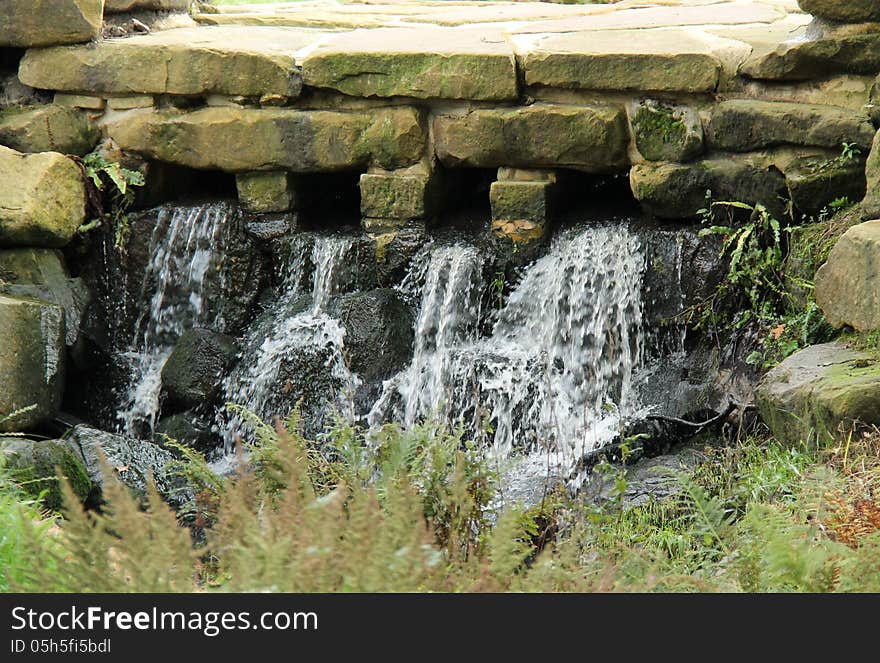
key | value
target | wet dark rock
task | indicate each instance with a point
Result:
(130, 460)
(395, 252)
(378, 332)
(188, 428)
(192, 374)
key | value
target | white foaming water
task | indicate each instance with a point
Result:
(563, 347)
(256, 382)
(183, 247)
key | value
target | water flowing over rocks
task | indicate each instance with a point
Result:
(485, 286)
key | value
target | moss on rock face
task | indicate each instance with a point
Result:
(844, 11)
(820, 392)
(36, 465)
(666, 133)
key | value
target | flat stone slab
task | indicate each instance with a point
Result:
(673, 60)
(185, 61)
(242, 140)
(424, 63)
(589, 138)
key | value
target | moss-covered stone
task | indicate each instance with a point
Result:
(426, 64)
(119, 6)
(242, 140)
(844, 11)
(744, 125)
(405, 195)
(678, 191)
(816, 180)
(847, 288)
(267, 192)
(37, 465)
(666, 133)
(27, 23)
(819, 393)
(32, 362)
(48, 129)
(43, 199)
(590, 138)
(521, 210)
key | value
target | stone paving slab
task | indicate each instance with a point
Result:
(426, 63)
(480, 51)
(186, 61)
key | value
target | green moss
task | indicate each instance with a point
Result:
(36, 467)
(661, 134)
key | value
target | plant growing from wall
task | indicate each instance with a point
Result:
(111, 194)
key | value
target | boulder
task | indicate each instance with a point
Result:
(843, 11)
(847, 289)
(48, 129)
(42, 274)
(27, 23)
(42, 199)
(239, 140)
(744, 125)
(192, 374)
(589, 138)
(223, 60)
(129, 460)
(32, 362)
(666, 133)
(378, 332)
(678, 191)
(425, 63)
(189, 428)
(819, 393)
(871, 202)
(36, 464)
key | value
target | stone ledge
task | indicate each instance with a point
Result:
(589, 138)
(28, 23)
(184, 61)
(242, 140)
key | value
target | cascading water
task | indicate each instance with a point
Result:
(184, 249)
(293, 325)
(555, 374)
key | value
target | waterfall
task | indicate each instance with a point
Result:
(555, 373)
(294, 324)
(184, 250)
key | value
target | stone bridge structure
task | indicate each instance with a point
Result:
(762, 101)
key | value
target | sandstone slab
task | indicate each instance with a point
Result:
(819, 393)
(42, 199)
(399, 196)
(28, 23)
(241, 140)
(847, 53)
(32, 362)
(521, 209)
(643, 61)
(590, 138)
(744, 125)
(184, 61)
(47, 129)
(847, 284)
(421, 63)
